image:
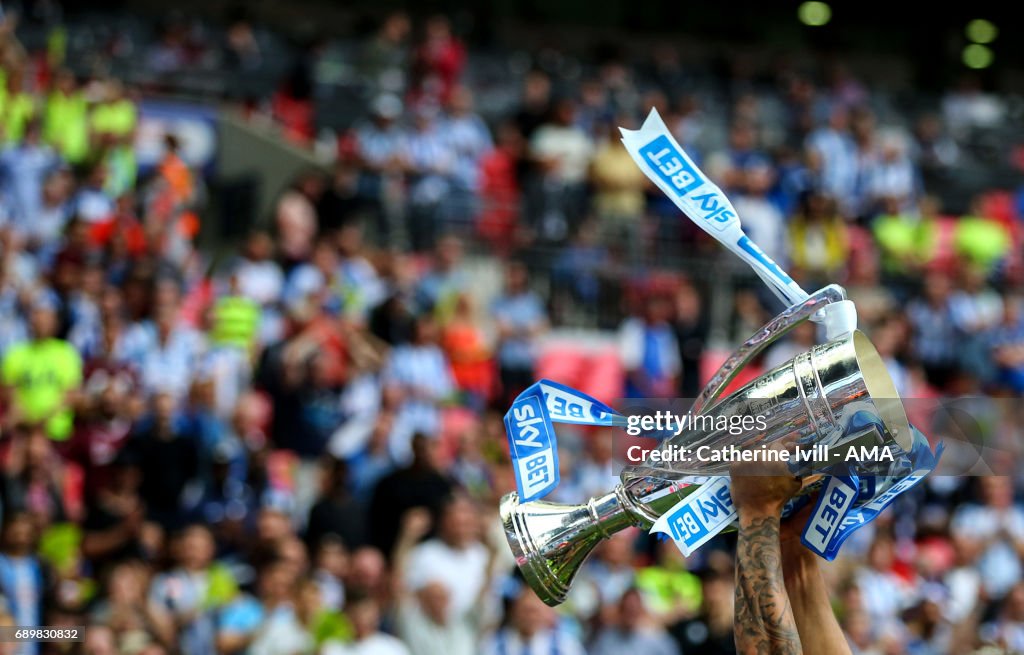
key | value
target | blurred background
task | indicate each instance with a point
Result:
(271, 273)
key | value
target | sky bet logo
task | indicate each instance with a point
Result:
(833, 505)
(570, 408)
(698, 517)
(692, 523)
(672, 167)
(532, 441)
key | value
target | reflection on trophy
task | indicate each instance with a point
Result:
(809, 400)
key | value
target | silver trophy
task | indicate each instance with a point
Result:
(808, 400)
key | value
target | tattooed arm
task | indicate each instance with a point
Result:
(817, 625)
(765, 624)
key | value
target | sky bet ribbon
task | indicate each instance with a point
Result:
(531, 433)
(844, 504)
(874, 496)
(664, 162)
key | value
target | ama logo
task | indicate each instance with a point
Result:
(531, 438)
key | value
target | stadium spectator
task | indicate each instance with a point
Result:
(610, 572)
(995, 530)
(34, 478)
(368, 637)
(431, 157)
(137, 622)
(635, 631)
(936, 332)
(464, 344)
(21, 575)
(25, 166)
(336, 513)
(448, 278)
(530, 627)
(619, 186)
(691, 329)
(762, 219)
(383, 58)
(420, 484)
(417, 378)
(561, 153)
(818, 240)
(41, 376)
(295, 219)
(381, 152)
(834, 158)
(66, 118)
(649, 351)
(426, 620)
(521, 319)
(438, 61)
(455, 557)
(470, 140)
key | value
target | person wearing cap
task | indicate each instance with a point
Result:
(40, 377)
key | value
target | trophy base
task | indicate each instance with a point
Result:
(537, 572)
(550, 541)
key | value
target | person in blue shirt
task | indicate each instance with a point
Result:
(521, 319)
(24, 168)
(1007, 343)
(21, 576)
(241, 621)
(650, 352)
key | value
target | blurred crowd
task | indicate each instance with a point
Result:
(298, 448)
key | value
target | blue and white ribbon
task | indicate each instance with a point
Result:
(877, 494)
(695, 520)
(667, 165)
(533, 445)
(845, 503)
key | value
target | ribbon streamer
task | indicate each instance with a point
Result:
(667, 165)
(529, 425)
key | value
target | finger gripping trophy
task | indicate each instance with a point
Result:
(837, 393)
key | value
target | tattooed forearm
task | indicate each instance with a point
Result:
(764, 618)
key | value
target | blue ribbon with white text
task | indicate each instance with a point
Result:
(529, 424)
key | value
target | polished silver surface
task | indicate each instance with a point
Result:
(771, 332)
(808, 400)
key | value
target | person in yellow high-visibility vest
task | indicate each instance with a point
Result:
(66, 119)
(235, 319)
(40, 377)
(112, 126)
(16, 108)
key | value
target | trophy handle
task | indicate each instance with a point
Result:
(767, 335)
